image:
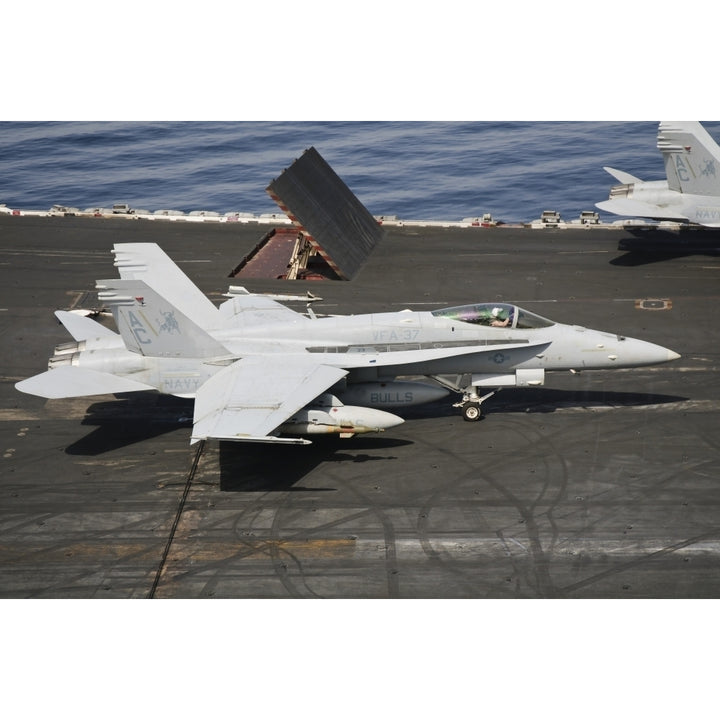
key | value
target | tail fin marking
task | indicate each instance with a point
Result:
(152, 326)
(691, 157)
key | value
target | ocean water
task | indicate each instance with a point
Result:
(414, 170)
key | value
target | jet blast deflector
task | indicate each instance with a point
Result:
(332, 220)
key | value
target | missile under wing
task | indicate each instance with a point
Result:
(691, 190)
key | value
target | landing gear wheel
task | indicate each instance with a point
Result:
(471, 411)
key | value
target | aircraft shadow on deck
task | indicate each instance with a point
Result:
(246, 467)
(249, 467)
(265, 468)
(130, 419)
(651, 245)
(545, 400)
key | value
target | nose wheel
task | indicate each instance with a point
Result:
(471, 411)
(471, 405)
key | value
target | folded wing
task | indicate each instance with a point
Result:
(248, 400)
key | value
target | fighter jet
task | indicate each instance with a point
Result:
(262, 372)
(691, 192)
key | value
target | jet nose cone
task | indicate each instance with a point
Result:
(638, 353)
(662, 354)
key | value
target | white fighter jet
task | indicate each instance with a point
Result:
(261, 372)
(691, 192)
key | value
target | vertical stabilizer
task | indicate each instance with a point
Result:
(149, 262)
(691, 156)
(152, 326)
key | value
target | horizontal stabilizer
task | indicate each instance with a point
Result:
(69, 381)
(623, 177)
(83, 328)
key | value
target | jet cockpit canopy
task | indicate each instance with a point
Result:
(494, 315)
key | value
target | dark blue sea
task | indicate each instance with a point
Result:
(414, 170)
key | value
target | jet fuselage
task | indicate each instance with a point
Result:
(386, 345)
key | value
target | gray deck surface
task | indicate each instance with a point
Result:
(599, 485)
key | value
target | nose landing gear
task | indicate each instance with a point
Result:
(471, 405)
(471, 411)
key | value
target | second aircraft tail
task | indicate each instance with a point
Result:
(691, 156)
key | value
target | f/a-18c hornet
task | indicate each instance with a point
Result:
(261, 372)
(691, 192)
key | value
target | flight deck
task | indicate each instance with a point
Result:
(600, 484)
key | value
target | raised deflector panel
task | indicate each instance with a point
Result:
(329, 215)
